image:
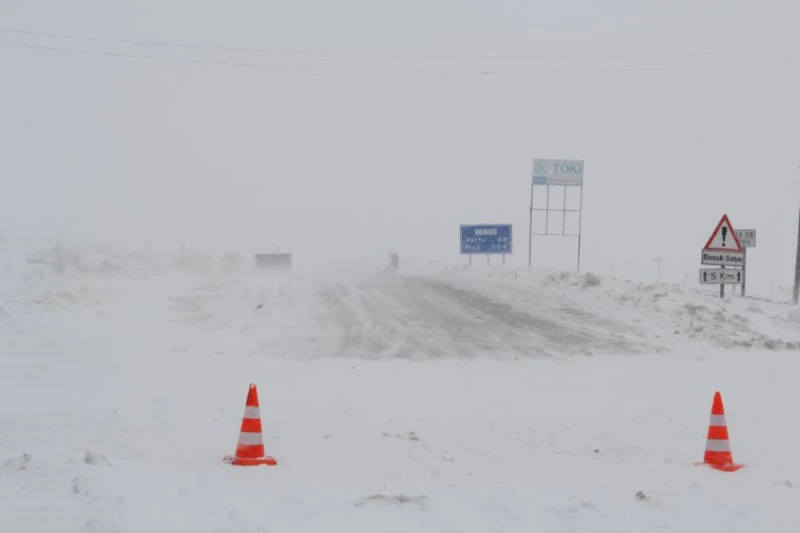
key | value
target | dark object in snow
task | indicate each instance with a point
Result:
(397, 499)
(94, 458)
(641, 496)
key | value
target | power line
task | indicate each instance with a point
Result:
(228, 63)
(381, 70)
(315, 53)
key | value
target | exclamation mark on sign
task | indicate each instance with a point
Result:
(724, 235)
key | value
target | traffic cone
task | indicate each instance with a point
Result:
(718, 448)
(250, 449)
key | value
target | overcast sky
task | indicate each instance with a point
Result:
(355, 162)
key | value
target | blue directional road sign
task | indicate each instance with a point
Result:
(483, 239)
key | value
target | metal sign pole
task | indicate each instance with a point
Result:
(580, 226)
(547, 213)
(722, 286)
(744, 270)
(530, 227)
(530, 222)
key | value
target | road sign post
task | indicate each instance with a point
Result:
(556, 173)
(728, 259)
(721, 276)
(744, 271)
(747, 238)
(488, 239)
(723, 249)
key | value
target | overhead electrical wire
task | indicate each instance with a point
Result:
(385, 70)
(315, 53)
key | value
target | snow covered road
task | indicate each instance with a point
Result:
(427, 317)
(420, 318)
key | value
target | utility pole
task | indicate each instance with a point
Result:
(659, 260)
(796, 292)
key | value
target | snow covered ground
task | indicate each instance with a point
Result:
(460, 401)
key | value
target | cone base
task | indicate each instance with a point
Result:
(728, 467)
(242, 461)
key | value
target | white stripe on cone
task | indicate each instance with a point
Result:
(717, 445)
(718, 420)
(251, 412)
(250, 439)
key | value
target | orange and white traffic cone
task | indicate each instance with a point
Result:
(250, 449)
(718, 447)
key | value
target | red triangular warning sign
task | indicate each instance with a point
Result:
(724, 238)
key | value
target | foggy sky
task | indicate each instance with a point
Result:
(348, 166)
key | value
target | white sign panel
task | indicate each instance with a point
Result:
(557, 172)
(747, 237)
(719, 276)
(734, 259)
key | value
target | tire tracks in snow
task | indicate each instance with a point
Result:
(425, 318)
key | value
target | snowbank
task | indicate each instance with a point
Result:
(656, 310)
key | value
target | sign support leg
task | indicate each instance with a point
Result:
(580, 223)
(744, 270)
(530, 228)
(547, 212)
(722, 286)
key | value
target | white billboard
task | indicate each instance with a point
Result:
(558, 172)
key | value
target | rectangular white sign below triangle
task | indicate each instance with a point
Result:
(724, 238)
